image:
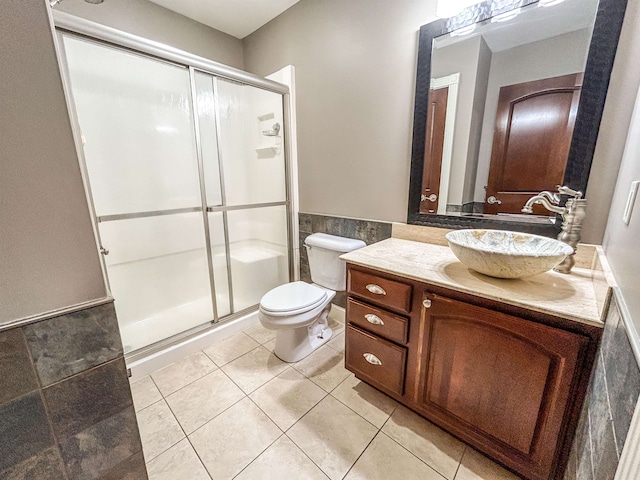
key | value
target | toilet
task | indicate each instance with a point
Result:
(298, 311)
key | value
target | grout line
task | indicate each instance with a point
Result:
(466, 447)
(235, 358)
(82, 372)
(187, 384)
(45, 405)
(303, 452)
(362, 453)
(260, 454)
(421, 460)
(172, 445)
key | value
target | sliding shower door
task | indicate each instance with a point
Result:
(247, 163)
(140, 152)
(187, 178)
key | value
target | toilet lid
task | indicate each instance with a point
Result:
(294, 296)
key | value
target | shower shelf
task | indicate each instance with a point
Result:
(268, 151)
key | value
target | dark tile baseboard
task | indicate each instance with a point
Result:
(606, 416)
(66, 410)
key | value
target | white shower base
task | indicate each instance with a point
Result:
(151, 363)
(165, 324)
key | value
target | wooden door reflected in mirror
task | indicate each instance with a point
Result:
(533, 131)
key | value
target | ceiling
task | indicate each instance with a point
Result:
(238, 18)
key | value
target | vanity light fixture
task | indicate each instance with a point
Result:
(463, 31)
(450, 8)
(503, 17)
(549, 3)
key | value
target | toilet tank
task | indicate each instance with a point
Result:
(323, 251)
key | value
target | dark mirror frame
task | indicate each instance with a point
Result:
(602, 50)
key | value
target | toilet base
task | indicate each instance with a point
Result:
(292, 345)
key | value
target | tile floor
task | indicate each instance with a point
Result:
(234, 410)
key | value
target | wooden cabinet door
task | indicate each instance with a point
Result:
(500, 382)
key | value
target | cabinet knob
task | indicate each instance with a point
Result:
(376, 289)
(372, 359)
(426, 303)
(374, 319)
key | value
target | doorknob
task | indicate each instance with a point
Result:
(432, 198)
(493, 200)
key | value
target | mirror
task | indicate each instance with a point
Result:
(509, 97)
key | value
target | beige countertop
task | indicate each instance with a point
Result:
(571, 296)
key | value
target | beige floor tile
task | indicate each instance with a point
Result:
(179, 462)
(365, 400)
(282, 460)
(260, 334)
(432, 445)
(200, 401)
(287, 397)
(337, 342)
(144, 393)
(476, 466)
(159, 429)
(230, 348)
(175, 376)
(332, 436)
(254, 369)
(324, 367)
(233, 439)
(384, 459)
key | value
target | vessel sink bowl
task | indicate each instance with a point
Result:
(504, 254)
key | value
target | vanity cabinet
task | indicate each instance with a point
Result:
(506, 380)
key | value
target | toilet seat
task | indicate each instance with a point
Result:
(292, 299)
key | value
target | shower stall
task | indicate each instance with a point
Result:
(186, 172)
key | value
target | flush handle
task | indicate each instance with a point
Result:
(376, 289)
(374, 319)
(372, 359)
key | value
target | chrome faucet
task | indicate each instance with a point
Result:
(572, 213)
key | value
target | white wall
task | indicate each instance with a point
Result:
(148, 20)
(48, 255)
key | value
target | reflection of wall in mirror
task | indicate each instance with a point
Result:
(471, 59)
(552, 57)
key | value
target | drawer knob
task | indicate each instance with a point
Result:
(426, 303)
(374, 319)
(372, 359)
(376, 289)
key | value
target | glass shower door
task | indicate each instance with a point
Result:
(248, 164)
(140, 151)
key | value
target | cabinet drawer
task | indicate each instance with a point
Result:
(378, 321)
(375, 360)
(390, 293)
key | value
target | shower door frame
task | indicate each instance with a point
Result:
(68, 24)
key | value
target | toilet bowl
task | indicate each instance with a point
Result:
(298, 311)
